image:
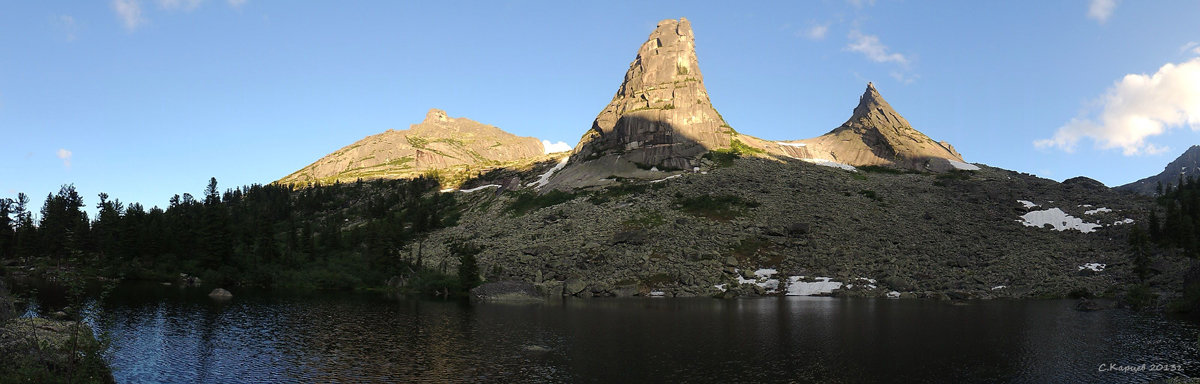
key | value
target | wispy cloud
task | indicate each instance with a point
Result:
(179, 5)
(66, 23)
(861, 3)
(65, 155)
(905, 78)
(1135, 108)
(1101, 10)
(1190, 47)
(555, 147)
(236, 3)
(130, 13)
(816, 32)
(869, 46)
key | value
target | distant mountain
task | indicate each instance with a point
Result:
(877, 135)
(1186, 165)
(440, 142)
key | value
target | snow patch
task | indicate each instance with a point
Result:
(1126, 221)
(823, 285)
(447, 190)
(1097, 210)
(1028, 204)
(762, 278)
(545, 177)
(831, 163)
(479, 188)
(893, 295)
(999, 287)
(963, 166)
(657, 294)
(1095, 267)
(1058, 219)
(721, 287)
(666, 178)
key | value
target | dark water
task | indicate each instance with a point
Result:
(164, 334)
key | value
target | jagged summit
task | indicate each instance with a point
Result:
(877, 135)
(1186, 165)
(661, 114)
(438, 142)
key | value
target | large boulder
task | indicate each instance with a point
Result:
(220, 293)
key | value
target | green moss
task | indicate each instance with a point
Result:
(524, 201)
(646, 220)
(724, 207)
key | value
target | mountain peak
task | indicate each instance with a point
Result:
(661, 114)
(436, 115)
(876, 134)
(1185, 166)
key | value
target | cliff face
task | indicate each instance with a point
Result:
(661, 115)
(1185, 166)
(877, 135)
(439, 142)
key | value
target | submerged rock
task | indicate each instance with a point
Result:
(507, 292)
(220, 293)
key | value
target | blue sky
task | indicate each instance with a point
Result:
(146, 99)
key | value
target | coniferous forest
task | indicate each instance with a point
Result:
(344, 235)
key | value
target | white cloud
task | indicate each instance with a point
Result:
(1101, 10)
(870, 46)
(130, 13)
(179, 5)
(906, 78)
(1135, 108)
(65, 155)
(237, 3)
(555, 147)
(816, 32)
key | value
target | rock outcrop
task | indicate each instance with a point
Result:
(877, 135)
(439, 142)
(661, 115)
(1185, 166)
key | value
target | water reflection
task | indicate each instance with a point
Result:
(171, 335)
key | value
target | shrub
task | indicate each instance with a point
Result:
(723, 207)
(524, 202)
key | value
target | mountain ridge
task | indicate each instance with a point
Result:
(1187, 164)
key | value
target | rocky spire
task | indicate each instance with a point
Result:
(661, 115)
(877, 135)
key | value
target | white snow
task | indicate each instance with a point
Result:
(545, 177)
(555, 147)
(657, 294)
(999, 287)
(1095, 267)
(831, 163)
(762, 278)
(1097, 210)
(797, 145)
(765, 272)
(654, 169)
(1058, 219)
(1126, 221)
(479, 188)
(448, 190)
(893, 295)
(1028, 204)
(666, 178)
(721, 287)
(963, 166)
(823, 285)
(1086, 205)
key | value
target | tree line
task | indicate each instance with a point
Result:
(332, 236)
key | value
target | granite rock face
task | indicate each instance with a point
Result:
(877, 135)
(661, 115)
(1185, 166)
(439, 142)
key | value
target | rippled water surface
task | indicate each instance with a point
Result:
(165, 334)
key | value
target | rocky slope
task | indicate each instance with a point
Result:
(877, 135)
(1186, 165)
(438, 143)
(987, 233)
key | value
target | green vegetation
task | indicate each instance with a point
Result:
(724, 157)
(884, 170)
(869, 194)
(680, 69)
(646, 220)
(523, 202)
(332, 236)
(724, 207)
